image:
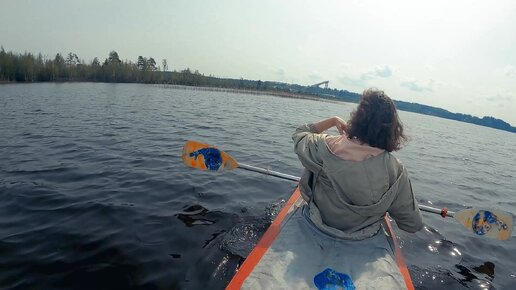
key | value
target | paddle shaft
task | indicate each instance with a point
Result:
(268, 172)
(435, 210)
(425, 208)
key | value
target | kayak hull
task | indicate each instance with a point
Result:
(294, 254)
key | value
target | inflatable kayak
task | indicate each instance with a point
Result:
(294, 254)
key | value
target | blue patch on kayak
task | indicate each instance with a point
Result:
(212, 157)
(329, 279)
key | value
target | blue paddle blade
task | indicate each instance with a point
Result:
(490, 223)
(206, 157)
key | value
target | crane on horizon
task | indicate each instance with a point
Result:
(325, 83)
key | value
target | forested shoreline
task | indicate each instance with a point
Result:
(27, 67)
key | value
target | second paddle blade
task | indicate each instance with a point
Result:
(206, 157)
(494, 224)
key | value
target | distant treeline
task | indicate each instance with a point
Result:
(27, 67)
(486, 121)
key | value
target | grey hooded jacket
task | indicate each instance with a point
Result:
(352, 197)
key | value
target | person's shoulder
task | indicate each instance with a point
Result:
(331, 140)
(393, 158)
(394, 163)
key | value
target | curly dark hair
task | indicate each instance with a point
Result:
(375, 121)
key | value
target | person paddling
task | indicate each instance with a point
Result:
(352, 180)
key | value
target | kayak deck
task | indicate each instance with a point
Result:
(294, 254)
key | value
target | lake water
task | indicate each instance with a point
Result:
(94, 195)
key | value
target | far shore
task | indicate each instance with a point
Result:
(283, 94)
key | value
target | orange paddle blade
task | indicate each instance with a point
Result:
(206, 157)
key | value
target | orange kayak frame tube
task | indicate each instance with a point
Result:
(263, 245)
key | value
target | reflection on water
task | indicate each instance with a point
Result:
(195, 215)
(486, 268)
(444, 247)
(442, 264)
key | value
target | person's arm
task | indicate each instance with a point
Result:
(307, 143)
(405, 210)
(326, 124)
(308, 140)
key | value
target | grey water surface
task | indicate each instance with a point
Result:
(94, 195)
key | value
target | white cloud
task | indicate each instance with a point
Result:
(279, 72)
(384, 71)
(498, 98)
(348, 80)
(379, 72)
(361, 78)
(418, 86)
(315, 76)
(509, 71)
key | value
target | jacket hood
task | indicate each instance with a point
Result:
(383, 204)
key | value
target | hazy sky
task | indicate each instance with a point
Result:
(458, 55)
